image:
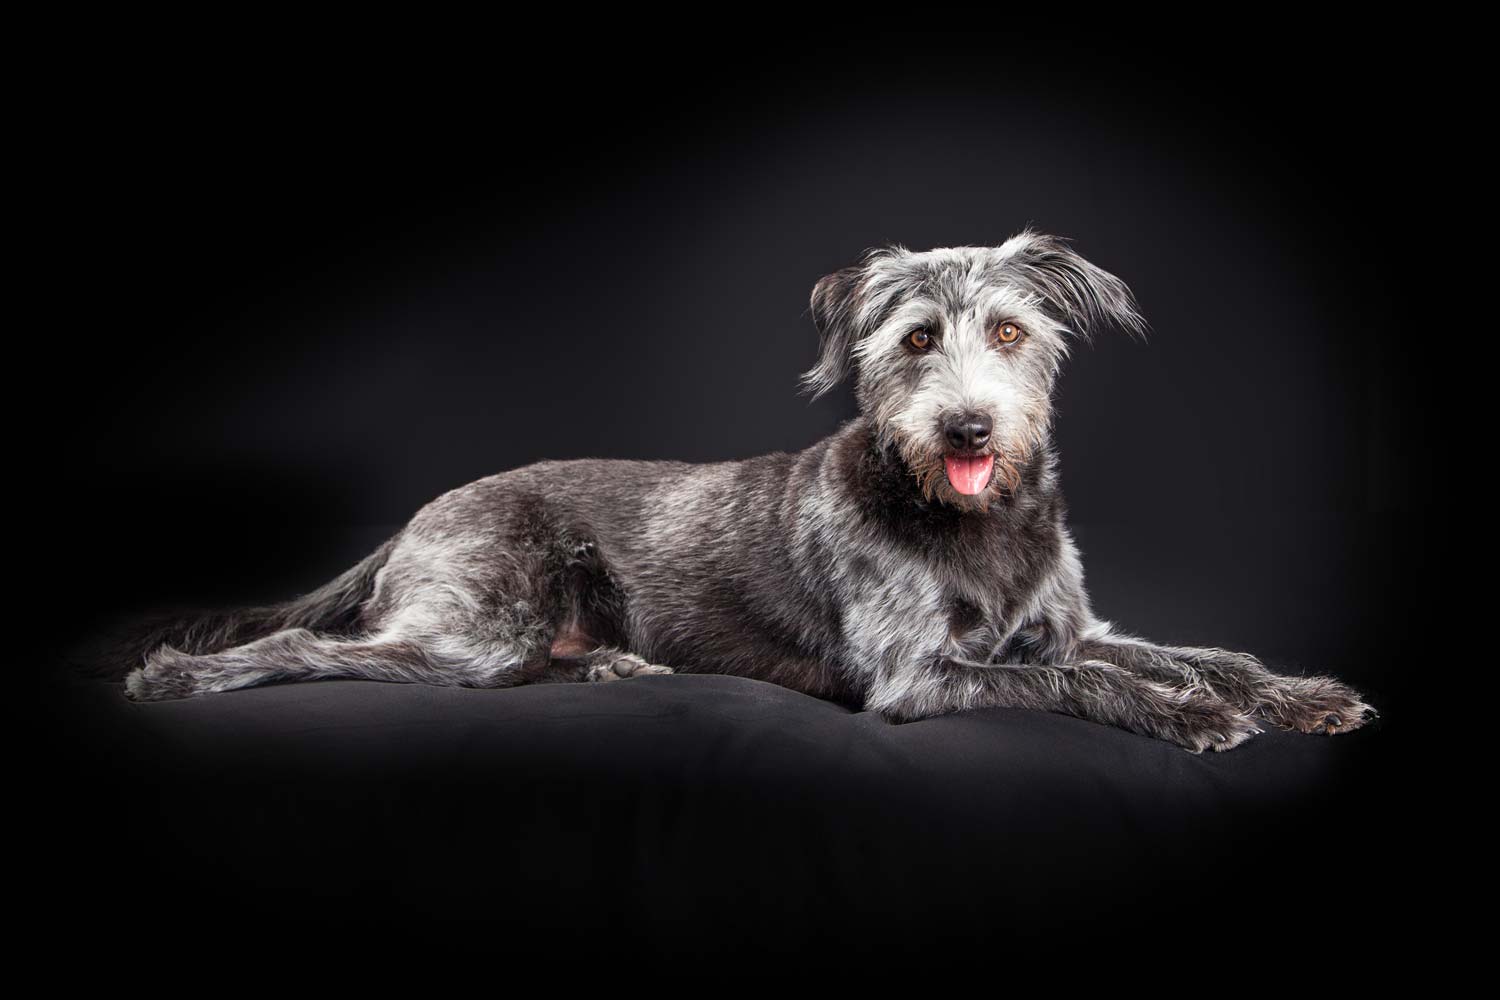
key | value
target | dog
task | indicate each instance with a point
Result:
(916, 562)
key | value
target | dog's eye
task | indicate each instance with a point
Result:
(1008, 333)
(920, 339)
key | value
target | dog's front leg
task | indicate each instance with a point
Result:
(1307, 704)
(1188, 716)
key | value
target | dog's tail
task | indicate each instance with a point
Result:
(332, 608)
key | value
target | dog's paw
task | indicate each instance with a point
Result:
(1306, 704)
(1316, 705)
(162, 678)
(1197, 721)
(619, 666)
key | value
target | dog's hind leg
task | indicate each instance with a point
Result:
(1307, 704)
(462, 652)
(300, 655)
(463, 599)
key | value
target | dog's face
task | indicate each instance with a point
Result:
(955, 351)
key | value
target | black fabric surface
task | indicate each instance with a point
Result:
(691, 816)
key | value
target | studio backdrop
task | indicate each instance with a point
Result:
(319, 297)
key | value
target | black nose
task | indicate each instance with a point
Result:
(968, 431)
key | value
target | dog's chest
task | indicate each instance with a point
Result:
(905, 607)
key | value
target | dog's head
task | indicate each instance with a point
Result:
(955, 351)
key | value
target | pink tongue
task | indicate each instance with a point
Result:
(969, 475)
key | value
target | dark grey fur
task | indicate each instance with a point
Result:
(853, 570)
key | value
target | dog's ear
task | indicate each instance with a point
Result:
(835, 312)
(1082, 297)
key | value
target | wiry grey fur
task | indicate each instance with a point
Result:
(851, 570)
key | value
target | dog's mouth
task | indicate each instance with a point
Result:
(969, 474)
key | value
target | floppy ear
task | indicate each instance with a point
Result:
(835, 312)
(1082, 297)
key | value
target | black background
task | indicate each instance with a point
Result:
(314, 283)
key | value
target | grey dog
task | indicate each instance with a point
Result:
(916, 562)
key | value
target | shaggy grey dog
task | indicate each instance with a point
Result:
(914, 563)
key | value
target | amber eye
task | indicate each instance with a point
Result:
(920, 339)
(1008, 333)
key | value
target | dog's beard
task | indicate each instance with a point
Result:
(930, 468)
